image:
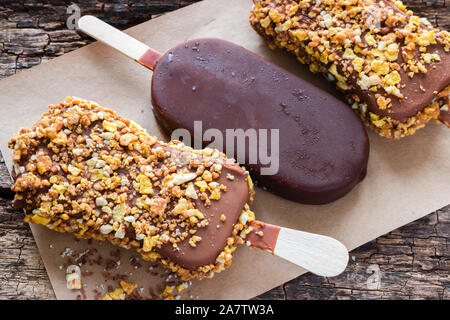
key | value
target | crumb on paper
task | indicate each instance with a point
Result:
(122, 293)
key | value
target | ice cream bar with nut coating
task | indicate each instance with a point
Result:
(84, 169)
(392, 65)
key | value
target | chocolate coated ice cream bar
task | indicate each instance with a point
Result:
(322, 148)
(392, 65)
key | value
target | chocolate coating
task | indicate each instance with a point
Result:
(267, 239)
(419, 91)
(215, 234)
(323, 147)
(444, 117)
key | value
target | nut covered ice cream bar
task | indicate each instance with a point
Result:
(84, 169)
(392, 66)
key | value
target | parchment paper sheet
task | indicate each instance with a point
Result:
(406, 179)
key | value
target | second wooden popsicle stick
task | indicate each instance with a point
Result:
(119, 40)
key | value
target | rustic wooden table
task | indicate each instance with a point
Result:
(412, 262)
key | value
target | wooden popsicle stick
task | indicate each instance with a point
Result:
(318, 254)
(119, 40)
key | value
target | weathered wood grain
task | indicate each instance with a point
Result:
(413, 261)
(22, 273)
(5, 180)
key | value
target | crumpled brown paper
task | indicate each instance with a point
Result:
(406, 179)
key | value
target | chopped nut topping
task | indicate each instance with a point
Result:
(193, 240)
(367, 46)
